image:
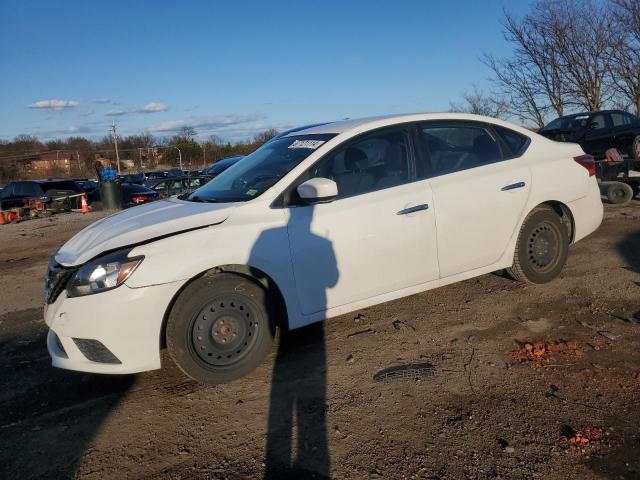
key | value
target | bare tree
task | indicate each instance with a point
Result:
(584, 36)
(188, 132)
(478, 102)
(625, 65)
(518, 83)
(536, 66)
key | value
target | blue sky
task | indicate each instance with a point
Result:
(233, 68)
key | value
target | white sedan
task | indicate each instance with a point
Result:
(316, 223)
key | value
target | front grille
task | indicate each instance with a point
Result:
(95, 351)
(56, 281)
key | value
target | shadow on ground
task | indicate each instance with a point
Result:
(297, 430)
(48, 417)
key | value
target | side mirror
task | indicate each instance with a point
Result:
(318, 190)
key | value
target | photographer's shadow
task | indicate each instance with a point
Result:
(296, 444)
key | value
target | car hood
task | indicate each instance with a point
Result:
(140, 224)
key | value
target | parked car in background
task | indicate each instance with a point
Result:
(221, 165)
(134, 194)
(160, 174)
(53, 193)
(90, 187)
(315, 224)
(177, 186)
(138, 178)
(597, 132)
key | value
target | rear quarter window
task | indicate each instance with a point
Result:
(516, 143)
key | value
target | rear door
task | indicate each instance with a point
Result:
(625, 129)
(480, 188)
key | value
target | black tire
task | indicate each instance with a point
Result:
(220, 328)
(541, 249)
(619, 193)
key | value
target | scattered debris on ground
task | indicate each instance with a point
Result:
(409, 370)
(584, 441)
(546, 353)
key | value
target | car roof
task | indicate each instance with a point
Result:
(368, 123)
(45, 180)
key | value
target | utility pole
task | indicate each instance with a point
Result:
(114, 134)
(204, 155)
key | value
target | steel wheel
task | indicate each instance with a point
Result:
(224, 331)
(221, 327)
(543, 247)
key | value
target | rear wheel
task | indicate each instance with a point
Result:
(221, 328)
(542, 248)
(635, 149)
(619, 193)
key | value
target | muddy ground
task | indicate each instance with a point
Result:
(568, 408)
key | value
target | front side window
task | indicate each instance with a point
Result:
(598, 122)
(254, 174)
(372, 162)
(452, 148)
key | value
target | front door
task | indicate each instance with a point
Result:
(376, 237)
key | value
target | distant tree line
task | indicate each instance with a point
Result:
(568, 55)
(16, 154)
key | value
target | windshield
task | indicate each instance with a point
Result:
(257, 172)
(569, 123)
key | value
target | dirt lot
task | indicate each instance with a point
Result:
(567, 408)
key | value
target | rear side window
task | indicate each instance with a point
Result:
(515, 142)
(452, 148)
(619, 119)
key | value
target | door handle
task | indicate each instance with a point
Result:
(513, 186)
(417, 208)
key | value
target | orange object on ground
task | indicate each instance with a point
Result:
(2, 221)
(85, 205)
(13, 217)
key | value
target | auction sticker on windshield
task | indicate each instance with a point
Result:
(313, 144)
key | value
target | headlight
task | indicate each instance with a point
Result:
(102, 274)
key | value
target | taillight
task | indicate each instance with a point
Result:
(588, 162)
(139, 199)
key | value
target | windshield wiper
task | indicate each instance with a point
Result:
(200, 199)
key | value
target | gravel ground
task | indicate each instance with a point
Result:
(566, 404)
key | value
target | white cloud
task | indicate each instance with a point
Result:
(54, 104)
(153, 107)
(206, 123)
(103, 100)
(116, 113)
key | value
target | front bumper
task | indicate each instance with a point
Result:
(126, 322)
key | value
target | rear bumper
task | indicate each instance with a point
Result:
(587, 212)
(122, 326)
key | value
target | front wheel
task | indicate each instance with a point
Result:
(542, 248)
(221, 328)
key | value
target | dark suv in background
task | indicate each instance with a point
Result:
(596, 132)
(52, 192)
